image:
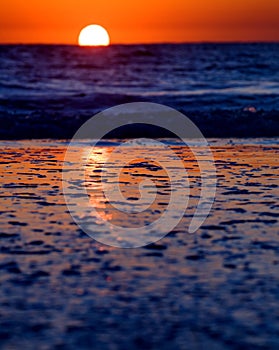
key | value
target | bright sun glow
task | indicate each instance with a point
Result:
(93, 35)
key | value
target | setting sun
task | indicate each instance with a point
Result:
(93, 35)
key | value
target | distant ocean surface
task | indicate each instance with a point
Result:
(228, 90)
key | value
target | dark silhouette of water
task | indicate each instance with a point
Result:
(227, 89)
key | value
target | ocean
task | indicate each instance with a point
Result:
(215, 288)
(228, 90)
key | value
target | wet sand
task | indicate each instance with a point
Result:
(215, 289)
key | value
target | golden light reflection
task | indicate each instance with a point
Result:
(130, 177)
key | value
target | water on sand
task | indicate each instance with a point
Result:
(216, 289)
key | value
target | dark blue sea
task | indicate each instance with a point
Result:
(228, 90)
(216, 288)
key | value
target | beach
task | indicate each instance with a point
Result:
(216, 288)
(139, 175)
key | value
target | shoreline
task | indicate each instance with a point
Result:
(215, 288)
(217, 124)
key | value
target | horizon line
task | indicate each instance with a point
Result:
(152, 43)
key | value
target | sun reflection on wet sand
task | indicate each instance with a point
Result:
(228, 267)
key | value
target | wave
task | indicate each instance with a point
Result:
(227, 89)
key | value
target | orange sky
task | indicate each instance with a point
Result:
(140, 21)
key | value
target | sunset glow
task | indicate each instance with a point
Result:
(142, 21)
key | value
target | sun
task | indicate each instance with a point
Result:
(93, 35)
